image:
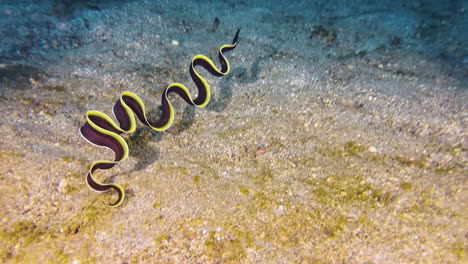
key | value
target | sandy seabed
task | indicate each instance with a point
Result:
(315, 148)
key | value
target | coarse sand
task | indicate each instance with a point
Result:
(317, 147)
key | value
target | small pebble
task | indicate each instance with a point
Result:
(260, 151)
(175, 42)
(373, 149)
(62, 187)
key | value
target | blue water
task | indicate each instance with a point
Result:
(437, 29)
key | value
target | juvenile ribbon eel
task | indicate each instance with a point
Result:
(100, 130)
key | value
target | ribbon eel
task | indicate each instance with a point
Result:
(100, 130)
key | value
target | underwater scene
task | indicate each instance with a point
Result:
(233, 131)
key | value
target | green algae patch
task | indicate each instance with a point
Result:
(305, 161)
(67, 159)
(56, 88)
(23, 233)
(336, 189)
(262, 201)
(223, 249)
(217, 240)
(262, 173)
(176, 170)
(5, 155)
(161, 240)
(244, 190)
(196, 179)
(352, 148)
(335, 225)
(406, 186)
(420, 162)
(271, 217)
(30, 242)
(460, 250)
(93, 213)
(326, 34)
